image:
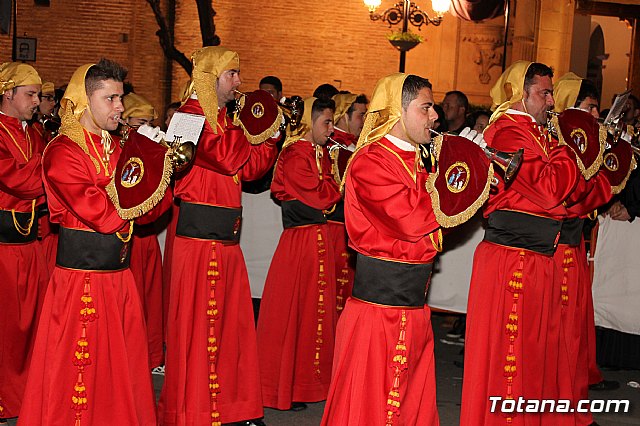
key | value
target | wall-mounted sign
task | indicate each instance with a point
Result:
(25, 49)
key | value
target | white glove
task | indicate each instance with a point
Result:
(473, 136)
(153, 133)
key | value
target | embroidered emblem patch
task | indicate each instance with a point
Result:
(579, 138)
(611, 162)
(132, 172)
(458, 176)
(257, 110)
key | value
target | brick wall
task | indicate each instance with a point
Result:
(304, 42)
(74, 32)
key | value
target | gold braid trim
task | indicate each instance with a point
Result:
(259, 138)
(588, 173)
(149, 203)
(616, 189)
(442, 218)
(335, 170)
(72, 129)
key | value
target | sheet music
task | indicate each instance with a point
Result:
(616, 109)
(187, 126)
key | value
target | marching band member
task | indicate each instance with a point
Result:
(22, 263)
(90, 363)
(146, 258)
(512, 336)
(383, 371)
(297, 314)
(211, 372)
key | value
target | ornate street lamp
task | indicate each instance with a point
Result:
(407, 12)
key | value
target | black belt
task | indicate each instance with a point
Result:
(571, 233)
(391, 283)
(209, 222)
(295, 213)
(521, 230)
(8, 232)
(337, 215)
(92, 251)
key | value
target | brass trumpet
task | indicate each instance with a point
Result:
(51, 124)
(181, 154)
(292, 109)
(509, 162)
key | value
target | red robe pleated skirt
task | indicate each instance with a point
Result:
(211, 368)
(296, 326)
(23, 281)
(369, 385)
(146, 267)
(49, 242)
(512, 337)
(344, 261)
(575, 281)
(166, 263)
(90, 365)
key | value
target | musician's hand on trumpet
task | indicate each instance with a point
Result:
(473, 136)
(153, 133)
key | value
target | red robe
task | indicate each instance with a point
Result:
(166, 262)
(576, 313)
(22, 266)
(510, 328)
(388, 216)
(116, 382)
(298, 314)
(197, 390)
(146, 267)
(337, 234)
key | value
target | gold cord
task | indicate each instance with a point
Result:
(128, 237)
(26, 230)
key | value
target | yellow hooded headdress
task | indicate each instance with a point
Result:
(15, 74)
(566, 90)
(48, 88)
(509, 88)
(137, 107)
(208, 65)
(343, 103)
(73, 104)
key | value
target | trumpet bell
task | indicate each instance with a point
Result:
(509, 162)
(182, 155)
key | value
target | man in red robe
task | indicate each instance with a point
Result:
(211, 374)
(90, 363)
(298, 312)
(383, 370)
(349, 115)
(22, 263)
(576, 304)
(513, 337)
(146, 258)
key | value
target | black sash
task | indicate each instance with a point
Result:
(521, 230)
(391, 283)
(8, 232)
(337, 215)
(209, 222)
(571, 233)
(91, 251)
(296, 213)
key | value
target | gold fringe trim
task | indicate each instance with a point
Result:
(213, 275)
(589, 172)
(567, 263)
(81, 357)
(617, 189)
(515, 286)
(149, 203)
(258, 139)
(399, 364)
(322, 285)
(343, 281)
(442, 218)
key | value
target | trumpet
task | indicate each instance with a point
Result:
(509, 162)
(335, 145)
(181, 154)
(51, 124)
(292, 109)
